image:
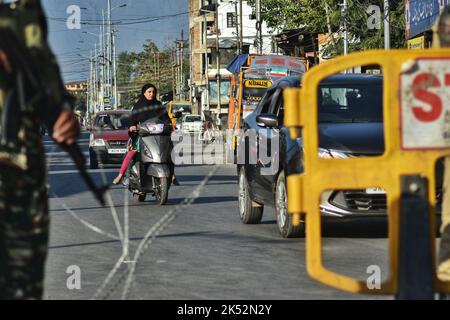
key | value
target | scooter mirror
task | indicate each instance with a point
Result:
(178, 115)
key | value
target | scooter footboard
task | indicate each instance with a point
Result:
(158, 170)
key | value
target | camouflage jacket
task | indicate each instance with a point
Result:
(27, 21)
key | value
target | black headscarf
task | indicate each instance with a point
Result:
(145, 109)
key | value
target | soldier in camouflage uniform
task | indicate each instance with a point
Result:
(24, 219)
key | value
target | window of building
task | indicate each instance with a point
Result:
(231, 20)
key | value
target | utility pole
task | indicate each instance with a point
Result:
(177, 65)
(154, 66)
(111, 59)
(206, 62)
(89, 89)
(108, 39)
(177, 55)
(180, 75)
(236, 21)
(387, 21)
(191, 68)
(94, 80)
(102, 64)
(259, 27)
(116, 97)
(158, 72)
(106, 53)
(344, 15)
(174, 76)
(182, 66)
(92, 86)
(178, 69)
(241, 26)
(217, 62)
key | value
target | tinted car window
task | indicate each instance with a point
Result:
(193, 119)
(274, 101)
(279, 109)
(350, 103)
(118, 121)
(265, 103)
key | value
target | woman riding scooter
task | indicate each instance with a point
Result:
(146, 108)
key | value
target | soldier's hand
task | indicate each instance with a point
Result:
(66, 129)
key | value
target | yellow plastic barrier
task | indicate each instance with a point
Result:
(403, 155)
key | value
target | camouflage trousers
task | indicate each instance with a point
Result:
(24, 226)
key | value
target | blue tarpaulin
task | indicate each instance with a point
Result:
(236, 64)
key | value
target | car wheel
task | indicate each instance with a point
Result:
(249, 213)
(284, 219)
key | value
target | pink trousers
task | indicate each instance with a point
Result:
(130, 155)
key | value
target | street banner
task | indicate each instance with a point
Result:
(420, 15)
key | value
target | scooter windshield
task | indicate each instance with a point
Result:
(153, 128)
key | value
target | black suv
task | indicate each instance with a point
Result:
(350, 125)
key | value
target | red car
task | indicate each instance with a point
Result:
(109, 137)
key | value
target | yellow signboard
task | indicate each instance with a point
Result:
(254, 83)
(416, 43)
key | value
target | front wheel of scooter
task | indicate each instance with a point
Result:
(162, 191)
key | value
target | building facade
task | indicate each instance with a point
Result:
(216, 24)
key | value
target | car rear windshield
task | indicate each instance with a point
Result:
(193, 119)
(105, 122)
(350, 103)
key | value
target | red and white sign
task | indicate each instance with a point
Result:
(425, 104)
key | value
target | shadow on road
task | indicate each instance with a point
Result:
(117, 206)
(94, 243)
(355, 228)
(247, 239)
(203, 200)
(182, 178)
(375, 227)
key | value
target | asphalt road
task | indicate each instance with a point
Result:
(195, 247)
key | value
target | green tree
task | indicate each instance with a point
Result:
(150, 65)
(324, 16)
(155, 66)
(126, 73)
(126, 69)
